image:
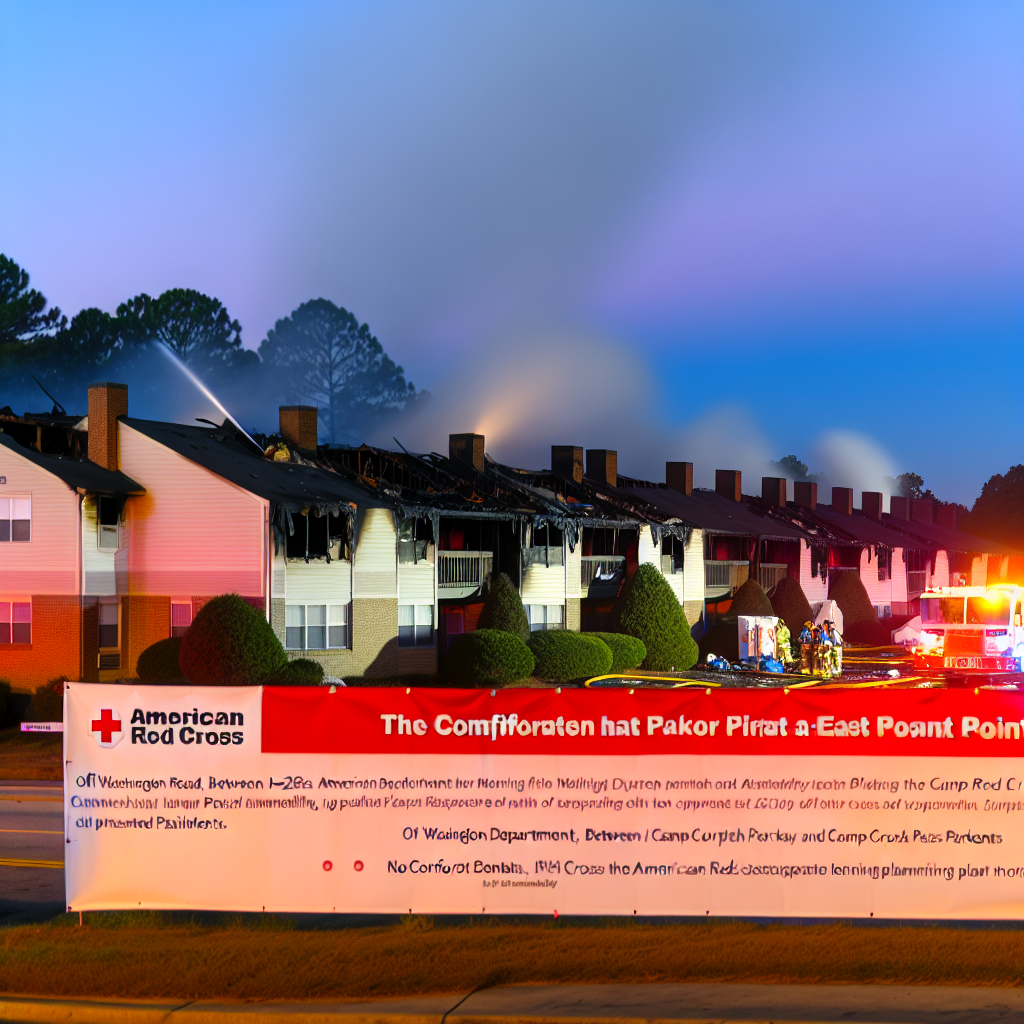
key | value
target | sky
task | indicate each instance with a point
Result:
(715, 232)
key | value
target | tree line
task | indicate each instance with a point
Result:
(318, 355)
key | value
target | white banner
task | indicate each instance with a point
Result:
(903, 804)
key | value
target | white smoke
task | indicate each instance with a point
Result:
(853, 460)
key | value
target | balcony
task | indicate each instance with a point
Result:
(723, 579)
(462, 573)
(591, 565)
(770, 573)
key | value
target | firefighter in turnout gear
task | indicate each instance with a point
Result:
(783, 647)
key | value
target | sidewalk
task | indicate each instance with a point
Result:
(625, 1004)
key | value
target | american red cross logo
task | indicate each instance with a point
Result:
(107, 728)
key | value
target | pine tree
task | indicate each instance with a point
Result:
(652, 613)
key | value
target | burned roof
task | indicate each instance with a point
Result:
(79, 474)
(290, 485)
(841, 530)
(939, 536)
(711, 512)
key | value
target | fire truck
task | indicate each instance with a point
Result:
(971, 630)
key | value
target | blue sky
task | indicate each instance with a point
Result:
(726, 230)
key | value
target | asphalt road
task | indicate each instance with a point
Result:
(31, 851)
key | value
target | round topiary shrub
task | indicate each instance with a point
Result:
(300, 672)
(489, 657)
(751, 599)
(562, 654)
(230, 643)
(848, 592)
(627, 651)
(652, 613)
(158, 663)
(790, 604)
(503, 609)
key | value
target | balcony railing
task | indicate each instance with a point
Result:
(721, 579)
(591, 565)
(769, 574)
(463, 571)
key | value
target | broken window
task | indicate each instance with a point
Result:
(672, 552)
(181, 617)
(15, 622)
(108, 619)
(318, 537)
(16, 518)
(545, 547)
(415, 625)
(315, 627)
(108, 518)
(414, 535)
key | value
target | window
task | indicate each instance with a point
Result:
(315, 627)
(415, 625)
(672, 552)
(181, 617)
(545, 616)
(15, 622)
(545, 547)
(16, 518)
(317, 537)
(413, 538)
(108, 624)
(108, 517)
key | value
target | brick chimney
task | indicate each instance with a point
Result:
(899, 508)
(603, 465)
(871, 504)
(468, 448)
(921, 510)
(945, 515)
(107, 401)
(567, 460)
(842, 500)
(729, 483)
(297, 425)
(805, 494)
(679, 477)
(773, 490)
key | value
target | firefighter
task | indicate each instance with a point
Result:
(783, 646)
(824, 650)
(806, 648)
(835, 648)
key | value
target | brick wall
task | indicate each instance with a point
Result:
(55, 649)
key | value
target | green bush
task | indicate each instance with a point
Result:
(627, 651)
(652, 613)
(158, 663)
(230, 643)
(5, 699)
(300, 672)
(489, 657)
(751, 599)
(48, 701)
(503, 609)
(562, 654)
(848, 592)
(790, 604)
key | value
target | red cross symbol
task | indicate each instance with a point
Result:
(106, 725)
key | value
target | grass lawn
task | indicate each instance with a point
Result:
(149, 955)
(30, 755)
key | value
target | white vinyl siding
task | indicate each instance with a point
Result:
(97, 563)
(317, 583)
(376, 558)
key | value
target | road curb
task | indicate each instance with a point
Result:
(26, 1010)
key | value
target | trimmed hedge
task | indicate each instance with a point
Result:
(230, 643)
(562, 654)
(300, 672)
(158, 663)
(503, 609)
(627, 651)
(48, 701)
(489, 657)
(848, 592)
(791, 604)
(751, 599)
(652, 613)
